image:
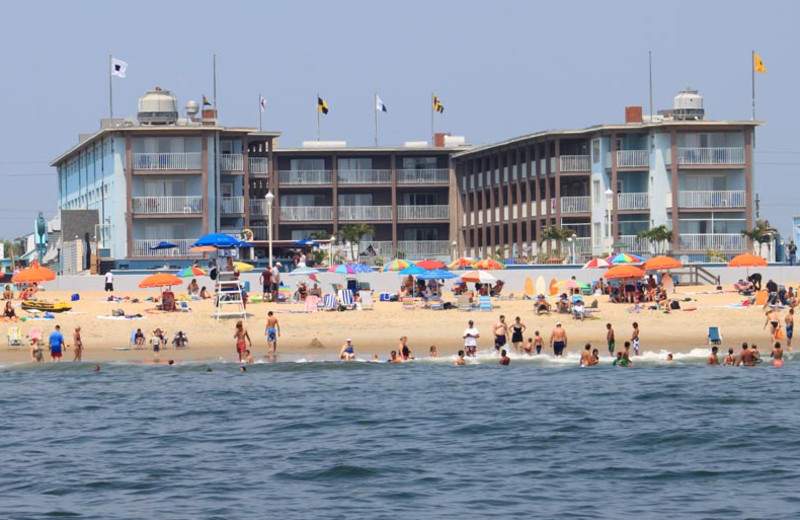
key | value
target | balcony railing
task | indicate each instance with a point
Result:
(426, 176)
(710, 156)
(304, 177)
(167, 205)
(438, 212)
(634, 201)
(141, 247)
(365, 213)
(711, 242)
(231, 162)
(634, 244)
(258, 165)
(633, 159)
(258, 207)
(712, 199)
(365, 176)
(306, 213)
(418, 249)
(575, 204)
(231, 205)
(167, 161)
(574, 163)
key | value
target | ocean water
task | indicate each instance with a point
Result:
(541, 438)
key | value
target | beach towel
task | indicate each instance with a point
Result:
(312, 302)
(128, 317)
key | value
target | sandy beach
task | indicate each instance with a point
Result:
(320, 335)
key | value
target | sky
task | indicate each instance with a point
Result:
(501, 69)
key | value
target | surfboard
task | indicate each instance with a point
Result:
(553, 287)
(669, 287)
(541, 288)
(529, 288)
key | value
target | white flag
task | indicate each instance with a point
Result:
(262, 103)
(118, 67)
(379, 106)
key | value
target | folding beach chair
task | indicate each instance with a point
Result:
(484, 303)
(346, 299)
(329, 302)
(714, 336)
(435, 303)
(367, 304)
(14, 337)
(185, 307)
(408, 304)
(464, 303)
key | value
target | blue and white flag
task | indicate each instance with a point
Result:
(379, 106)
(118, 67)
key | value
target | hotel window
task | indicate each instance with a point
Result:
(355, 199)
(420, 234)
(356, 164)
(306, 164)
(305, 200)
(419, 163)
(596, 192)
(595, 151)
(419, 199)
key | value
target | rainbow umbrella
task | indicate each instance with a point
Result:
(342, 269)
(191, 272)
(462, 263)
(488, 263)
(395, 265)
(626, 258)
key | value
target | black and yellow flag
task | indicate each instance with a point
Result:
(322, 106)
(758, 65)
(437, 105)
(206, 102)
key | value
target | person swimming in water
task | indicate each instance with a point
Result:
(460, 359)
(777, 355)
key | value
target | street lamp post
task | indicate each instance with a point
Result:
(455, 250)
(269, 197)
(572, 240)
(609, 196)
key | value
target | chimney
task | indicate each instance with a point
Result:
(633, 114)
(438, 139)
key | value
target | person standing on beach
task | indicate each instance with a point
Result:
(56, 344)
(777, 355)
(109, 279)
(242, 339)
(471, 336)
(266, 283)
(789, 322)
(558, 340)
(276, 280)
(500, 330)
(610, 339)
(746, 357)
(538, 342)
(273, 331)
(635, 339)
(77, 344)
(516, 334)
(712, 358)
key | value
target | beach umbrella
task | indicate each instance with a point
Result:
(342, 269)
(437, 275)
(626, 258)
(488, 263)
(360, 268)
(413, 270)
(243, 267)
(478, 277)
(202, 249)
(747, 260)
(568, 284)
(312, 273)
(220, 241)
(160, 280)
(596, 263)
(34, 274)
(430, 264)
(660, 263)
(306, 242)
(624, 271)
(398, 264)
(462, 263)
(191, 272)
(162, 245)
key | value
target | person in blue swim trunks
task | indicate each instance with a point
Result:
(273, 332)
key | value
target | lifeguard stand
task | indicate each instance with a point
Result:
(229, 299)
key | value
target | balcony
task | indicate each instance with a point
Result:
(633, 201)
(419, 249)
(306, 213)
(426, 176)
(575, 205)
(710, 156)
(369, 213)
(167, 205)
(707, 242)
(167, 161)
(631, 159)
(141, 248)
(438, 212)
(231, 205)
(712, 199)
(231, 162)
(574, 163)
(634, 244)
(365, 176)
(258, 207)
(258, 165)
(305, 177)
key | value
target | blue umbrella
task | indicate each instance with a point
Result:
(413, 270)
(221, 241)
(306, 242)
(437, 275)
(162, 245)
(361, 268)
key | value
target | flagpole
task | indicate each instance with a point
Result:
(433, 140)
(110, 91)
(753, 79)
(318, 111)
(375, 108)
(215, 84)
(650, 65)
(259, 112)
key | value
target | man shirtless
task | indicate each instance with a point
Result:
(558, 340)
(500, 330)
(789, 321)
(273, 331)
(635, 338)
(777, 355)
(712, 358)
(746, 357)
(586, 355)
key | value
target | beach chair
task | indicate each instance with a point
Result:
(714, 336)
(184, 307)
(408, 303)
(35, 336)
(367, 303)
(761, 298)
(312, 302)
(180, 341)
(329, 302)
(485, 303)
(464, 303)
(346, 299)
(435, 303)
(14, 337)
(133, 344)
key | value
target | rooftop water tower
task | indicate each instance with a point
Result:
(688, 106)
(158, 107)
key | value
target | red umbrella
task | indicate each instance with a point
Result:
(596, 263)
(430, 265)
(34, 274)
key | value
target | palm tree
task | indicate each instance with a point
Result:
(659, 237)
(353, 233)
(762, 234)
(555, 233)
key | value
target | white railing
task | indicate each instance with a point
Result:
(574, 163)
(258, 165)
(231, 162)
(166, 205)
(708, 242)
(307, 213)
(167, 161)
(633, 201)
(633, 158)
(426, 176)
(304, 177)
(417, 249)
(634, 244)
(231, 205)
(365, 176)
(438, 212)
(712, 199)
(710, 156)
(583, 245)
(258, 207)
(141, 247)
(382, 248)
(365, 213)
(574, 204)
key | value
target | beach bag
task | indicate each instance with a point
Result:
(118, 312)
(75, 297)
(674, 305)
(779, 333)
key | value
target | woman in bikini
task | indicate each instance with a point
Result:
(78, 344)
(516, 334)
(242, 340)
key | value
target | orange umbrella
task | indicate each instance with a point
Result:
(160, 280)
(624, 271)
(202, 249)
(34, 274)
(658, 263)
(747, 260)
(462, 263)
(488, 264)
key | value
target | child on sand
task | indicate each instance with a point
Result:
(241, 335)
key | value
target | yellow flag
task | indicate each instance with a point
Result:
(758, 65)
